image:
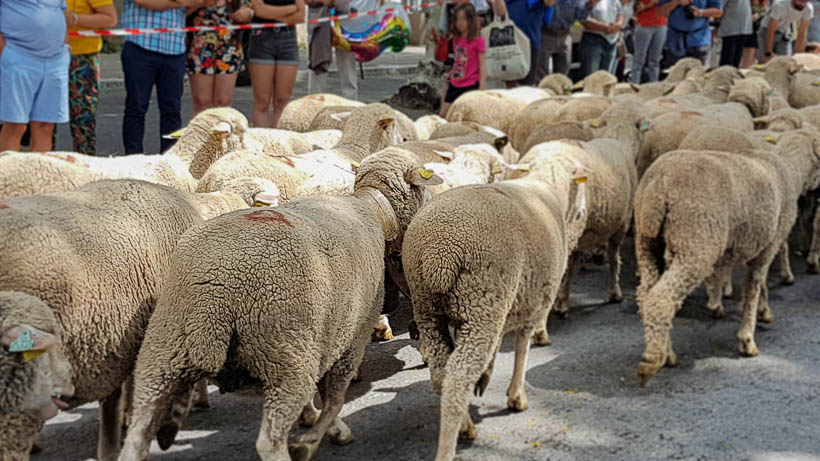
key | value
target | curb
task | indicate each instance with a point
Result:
(392, 71)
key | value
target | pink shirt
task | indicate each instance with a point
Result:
(466, 70)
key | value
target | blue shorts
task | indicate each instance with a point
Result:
(32, 90)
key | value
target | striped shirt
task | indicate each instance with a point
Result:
(137, 17)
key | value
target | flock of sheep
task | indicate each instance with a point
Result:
(260, 257)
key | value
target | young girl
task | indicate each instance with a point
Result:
(468, 67)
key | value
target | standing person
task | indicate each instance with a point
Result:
(468, 72)
(555, 42)
(601, 32)
(814, 27)
(345, 60)
(274, 58)
(649, 38)
(751, 45)
(620, 43)
(153, 60)
(34, 62)
(775, 35)
(688, 33)
(735, 27)
(527, 15)
(84, 72)
(215, 58)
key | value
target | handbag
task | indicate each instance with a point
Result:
(442, 47)
(508, 56)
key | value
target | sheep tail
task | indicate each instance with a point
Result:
(650, 246)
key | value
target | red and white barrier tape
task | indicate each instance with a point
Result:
(168, 30)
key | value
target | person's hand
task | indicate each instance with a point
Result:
(257, 5)
(242, 15)
(613, 28)
(70, 18)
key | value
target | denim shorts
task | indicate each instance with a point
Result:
(277, 47)
(33, 90)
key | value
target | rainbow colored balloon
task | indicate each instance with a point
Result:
(392, 31)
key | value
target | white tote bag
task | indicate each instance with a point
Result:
(508, 51)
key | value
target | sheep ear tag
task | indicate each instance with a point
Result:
(26, 344)
(770, 139)
(770, 91)
(595, 123)
(423, 177)
(175, 135)
(645, 125)
(816, 83)
(426, 174)
(760, 67)
(580, 180)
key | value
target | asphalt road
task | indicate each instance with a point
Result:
(585, 402)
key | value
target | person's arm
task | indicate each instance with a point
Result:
(102, 17)
(482, 70)
(499, 8)
(769, 45)
(583, 9)
(2, 44)
(708, 13)
(664, 8)
(300, 14)
(279, 13)
(549, 3)
(800, 44)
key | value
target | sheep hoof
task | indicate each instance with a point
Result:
(672, 359)
(719, 312)
(647, 369)
(383, 331)
(562, 313)
(518, 403)
(748, 348)
(35, 449)
(309, 416)
(616, 297)
(541, 338)
(481, 384)
(202, 403)
(468, 432)
(339, 433)
(787, 280)
(813, 268)
(302, 450)
(166, 436)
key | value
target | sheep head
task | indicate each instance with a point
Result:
(38, 372)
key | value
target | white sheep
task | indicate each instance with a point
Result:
(312, 256)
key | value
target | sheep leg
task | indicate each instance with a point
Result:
(764, 310)
(484, 381)
(201, 394)
(383, 330)
(614, 256)
(657, 308)
(126, 398)
(310, 414)
(333, 388)
(435, 339)
(786, 275)
(561, 307)
(175, 416)
(108, 446)
(715, 285)
(517, 398)
(755, 279)
(470, 358)
(813, 259)
(281, 410)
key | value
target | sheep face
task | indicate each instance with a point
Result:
(39, 373)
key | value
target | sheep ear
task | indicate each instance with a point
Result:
(795, 68)
(423, 177)
(222, 129)
(500, 142)
(446, 155)
(262, 199)
(580, 174)
(634, 87)
(669, 91)
(578, 85)
(386, 122)
(31, 341)
(341, 116)
(525, 167)
(608, 88)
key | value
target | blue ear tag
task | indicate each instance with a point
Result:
(23, 342)
(645, 125)
(769, 91)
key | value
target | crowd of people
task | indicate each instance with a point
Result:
(47, 77)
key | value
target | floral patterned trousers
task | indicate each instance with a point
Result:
(83, 93)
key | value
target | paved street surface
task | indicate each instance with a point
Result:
(585, 403)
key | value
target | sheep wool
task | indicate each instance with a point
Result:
(475, 275)
(699, 213)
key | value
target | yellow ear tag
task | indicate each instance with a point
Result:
(426, 174)
(581, 180)
(31, 355)
(760, 67)
(595, 123)
(816, 83)
(706, 76)
(355, 164)
(770, 139)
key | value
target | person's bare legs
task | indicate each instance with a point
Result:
(749, 58)
(284, 81)
(262, 83)
(202, 90)
(11, 135)
(224, 85)
(41, 136)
